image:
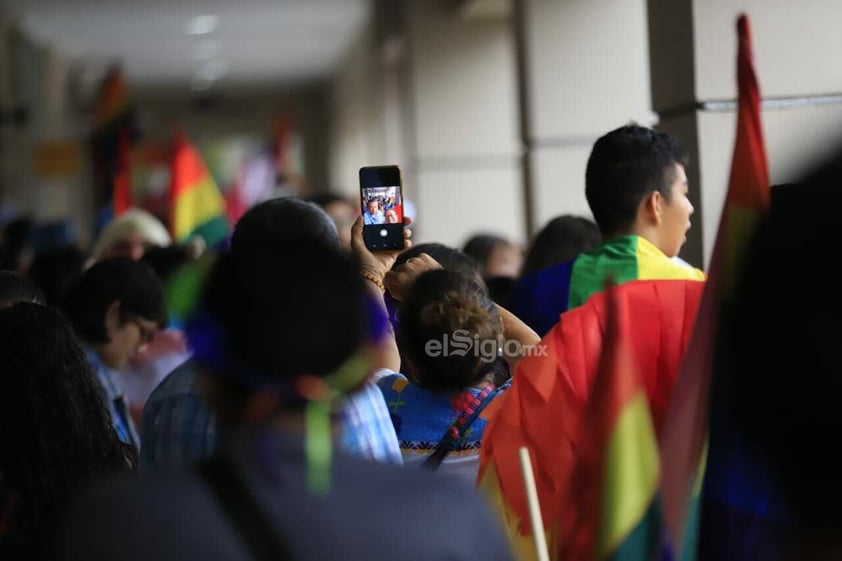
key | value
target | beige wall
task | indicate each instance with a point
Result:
(795, 56)
(465, 167)
(352, 133)
(588, 73)
(36, 78)
(440, 101)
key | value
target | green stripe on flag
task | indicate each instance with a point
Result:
(213, 231)
(644, 540)
(615, 260)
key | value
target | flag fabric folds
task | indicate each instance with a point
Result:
(685, 438)
(197, 206)
(544, 409)
(613, 510)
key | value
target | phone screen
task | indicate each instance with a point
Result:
(382, 207)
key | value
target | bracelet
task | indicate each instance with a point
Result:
(373, 278)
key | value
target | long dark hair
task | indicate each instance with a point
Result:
(55, 434)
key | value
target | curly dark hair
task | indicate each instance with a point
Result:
(56, 437)
(443, 304)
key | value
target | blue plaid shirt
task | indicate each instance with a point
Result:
(179, 427)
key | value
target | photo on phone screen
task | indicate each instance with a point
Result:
(381, 198)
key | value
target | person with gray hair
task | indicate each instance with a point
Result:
(129, 234)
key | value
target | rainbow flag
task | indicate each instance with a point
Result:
(538, 299)
(545, 408)
(684, 442)
(196, 204)
(114, 124)
(613, 510)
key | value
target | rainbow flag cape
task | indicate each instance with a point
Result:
(684, 442)
(196, 204)
(613, 509)
(545, 407)
(538, 299)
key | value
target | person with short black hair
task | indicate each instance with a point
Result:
(116, 307)
(636, 186)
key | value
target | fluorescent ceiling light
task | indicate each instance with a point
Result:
(202, 25)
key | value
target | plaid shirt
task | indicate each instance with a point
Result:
(179, 427)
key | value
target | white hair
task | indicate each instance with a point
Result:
(133, 222)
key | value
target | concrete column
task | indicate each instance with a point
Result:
(694, 49)
(588, 73)
(465, 169)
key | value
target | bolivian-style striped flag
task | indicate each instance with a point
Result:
(545, 408)
(538, 299)
(196, 204)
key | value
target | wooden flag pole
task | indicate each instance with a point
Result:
(534, 506)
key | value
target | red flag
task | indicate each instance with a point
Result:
(684, 437)
(545, 407)
(121, 196)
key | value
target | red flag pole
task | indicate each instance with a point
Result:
(122, 191)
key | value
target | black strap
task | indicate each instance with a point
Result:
(244, 515)
(445, 446)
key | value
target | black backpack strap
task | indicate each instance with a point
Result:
(456, 432)
(243, 513)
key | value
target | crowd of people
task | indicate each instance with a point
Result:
(295, 395)
(382, 205)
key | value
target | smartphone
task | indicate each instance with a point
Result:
(382, 206)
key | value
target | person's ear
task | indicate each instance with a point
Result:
(112, 315)
(652, 207)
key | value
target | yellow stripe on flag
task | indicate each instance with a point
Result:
(631, 474)
(197, 206)
(651, 264)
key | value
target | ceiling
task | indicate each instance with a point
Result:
(253, 42)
